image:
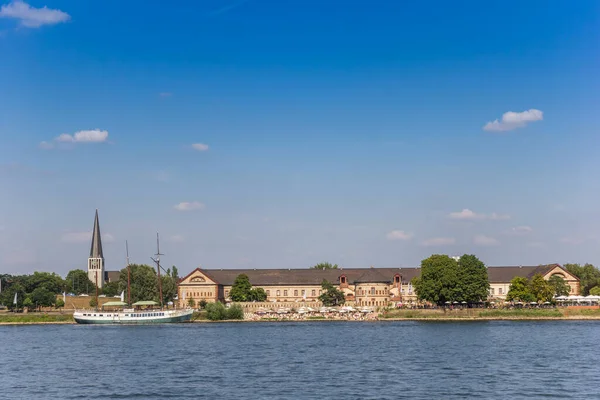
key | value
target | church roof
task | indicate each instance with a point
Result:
(96, 249)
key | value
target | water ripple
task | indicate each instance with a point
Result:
(389, 360)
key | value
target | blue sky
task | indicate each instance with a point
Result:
(360, 133)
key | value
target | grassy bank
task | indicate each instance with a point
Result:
(10, 318)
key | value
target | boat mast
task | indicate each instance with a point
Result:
(157, 261)
(128, 275)
(96, 290)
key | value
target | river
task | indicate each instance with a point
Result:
(303, 360)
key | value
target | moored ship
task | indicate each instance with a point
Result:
(141, 312)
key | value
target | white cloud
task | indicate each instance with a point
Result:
(82, 237)
(32, 17)
(399, 235)
(468, 215)
(512, 120)
(482, 240)
(176, 238)
(521, 230)
(439, 241)
(90, 136)
(189, 206)
(200, 146)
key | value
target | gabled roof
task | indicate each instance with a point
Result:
(308, 276)
(96, 249)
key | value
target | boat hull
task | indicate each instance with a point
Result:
(132, 318)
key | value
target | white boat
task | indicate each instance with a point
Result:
(143, 312)
(132, 315)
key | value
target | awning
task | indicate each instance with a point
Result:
(145, 303)
(114, 304)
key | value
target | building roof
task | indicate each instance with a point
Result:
(112, 276)
(505, 274)
(96, 248)
(307, 276)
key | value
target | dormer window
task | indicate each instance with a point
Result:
(343, 279)
(397, 278)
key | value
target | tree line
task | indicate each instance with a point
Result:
(40, 288)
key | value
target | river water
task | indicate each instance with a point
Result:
(306, 360)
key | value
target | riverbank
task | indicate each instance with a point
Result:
(565, 314)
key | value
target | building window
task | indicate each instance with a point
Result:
(343, 279)
(372, 291)
(295, 293)
(397, 279)
(268, 293)
(303, 292)
(285, 293)
(499, 290)
(492, 291)
(226, 293)
(313, 293)
(278, 293)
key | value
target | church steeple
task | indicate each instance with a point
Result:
(96, 249)
(96, 259)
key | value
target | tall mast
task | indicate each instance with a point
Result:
(128, 275)
(157, 261)
(96, 290)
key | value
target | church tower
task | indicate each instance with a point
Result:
(96, 259)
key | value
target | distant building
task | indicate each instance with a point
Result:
(362, 286)
(96, 258)
(96, 268)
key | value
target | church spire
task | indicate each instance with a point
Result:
(96, 249)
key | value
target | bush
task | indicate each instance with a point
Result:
(218, 312)
(202, 303)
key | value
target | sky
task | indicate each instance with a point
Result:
(284, 133)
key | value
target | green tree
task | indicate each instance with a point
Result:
(27, 303)
(169, 288)
(588, 275)
(240, 290)
(93, 302)
(111, 289)
(235, 311)
(540, 288)
(559, 286)
(216, 311)
(324, 265)
(439, 281)
(59, 303)
(473, 279)
(257, 294)
(202, 303)
(191, 303)
(595, 291)
(8, 294)
(46, 280)
(174, 273)
(77, 282)
(144, 282)
(43, 297)
(519, 290)
(331, 296)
